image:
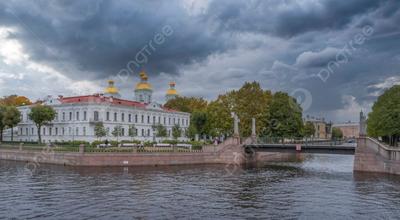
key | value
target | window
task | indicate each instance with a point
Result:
(142, 132)
(77, 116)
(165, 120)
(20, 131)
(44, 131)
(63, 131)
(69, 130)
(159, 120)
(84, 116)
(84, 131)
(63, 116)
(142, 118)
(122, 131)
(169, 121)
(56, 131)
(96, 116)
(108, 116)
(115, 116)
(148, 119)
(32, 131)
(50, 131)
(129, 118)
(26, 131)
(122, 117)
(148, 132)
(77, 131)
(136, 120)
(70, 116)
(179, 121)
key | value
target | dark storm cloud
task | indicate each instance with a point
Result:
(103, 36)
(287, 18)
(291, 41)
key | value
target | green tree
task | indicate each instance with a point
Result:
(250, 101)
(309, 129)
(2, 125)
(337, 133)
(285, 117)
(11, 118)
(117, 132)
(161, 130)
(99, 130)
(187, 104)
(132, 132)
(176, 131)
(384, 120)
(41, 115)
(198, 121)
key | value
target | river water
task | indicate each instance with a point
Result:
(321, 187)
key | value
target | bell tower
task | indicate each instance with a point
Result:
(143, 90)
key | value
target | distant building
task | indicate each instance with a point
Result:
(171, 92)
(76, 116)
(322, 128)
(349, 129)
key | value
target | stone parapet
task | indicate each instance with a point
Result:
(373, 156)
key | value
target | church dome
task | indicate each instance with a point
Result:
(172, 90)
(111, 89)
(143, 84)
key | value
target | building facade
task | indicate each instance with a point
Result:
(322, 128)
(77, 116)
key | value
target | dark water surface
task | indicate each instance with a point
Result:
(322, 187)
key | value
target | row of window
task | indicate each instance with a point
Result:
(69, 131)
(143, 119)
(131, 118)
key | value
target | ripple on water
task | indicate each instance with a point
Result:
(321, 187)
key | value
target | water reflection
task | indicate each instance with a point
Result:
(318, 187)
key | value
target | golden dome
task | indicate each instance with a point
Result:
(172, 90)
(111, 89)
(143, 84)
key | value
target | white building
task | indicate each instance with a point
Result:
(76, 116)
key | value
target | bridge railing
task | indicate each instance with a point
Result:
(302, 141)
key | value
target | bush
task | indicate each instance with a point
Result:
(131, 141)
(173, 142)
(196, 145)
(95, 143)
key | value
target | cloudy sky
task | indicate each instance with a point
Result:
(334, 56)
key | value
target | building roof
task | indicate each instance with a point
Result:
(99, 98)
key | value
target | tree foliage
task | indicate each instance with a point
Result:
(198, 121)
(41, 115)
(161, 130)
(337, 133)
(99, 130)
(15, 100)
(285, 117)
(384, 120)
(187, 104)
(11, 118)
(132, 132)
(309, 129)
(2, 125)
(176, 131)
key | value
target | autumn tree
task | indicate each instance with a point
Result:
(41, 115)
(11, 118)
(384, 120)
(187, 104)
(15, 100)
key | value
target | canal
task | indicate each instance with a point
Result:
(320, 187)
